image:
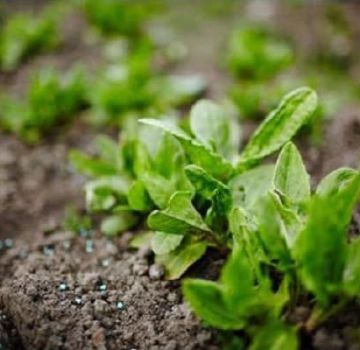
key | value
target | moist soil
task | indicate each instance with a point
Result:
(60, 291)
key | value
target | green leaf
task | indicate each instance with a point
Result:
(351, 275)
(118, 223)
(180, 217)
(275, 336)
(206, 299)
(204, 183)
(170, 157)
(141, 239)
(245, 235)
(106, 192)
(212, 127)
(250, 185)
(290, 177)
(180, 259)
(281, 125)
(237, 281)
(198, 154)
(336, 181)
(270, 232)
(108, 149)
(164, 243)
(159, 188)
(91, 166)
(321, 247)
(290, 222)
(138, 197)
(216, 216)
(168, 127)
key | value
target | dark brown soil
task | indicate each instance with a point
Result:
(58, 291)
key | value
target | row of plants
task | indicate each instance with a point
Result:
(261, 62)
(128, 83)
(184, 182)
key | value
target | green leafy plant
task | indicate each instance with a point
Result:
(51, 98)
(117, 17)
(255, 54)
(188, 182)
(299, 237)
(25, 35)
(132, 86)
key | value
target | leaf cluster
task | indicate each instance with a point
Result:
(24, 35)
(118, 17)
(255, 54)
(186, 180)
(299, 237)
(51, 98)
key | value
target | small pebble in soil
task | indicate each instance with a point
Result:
(101, 286)
(63, 287)
(67, 245)
(105, 263)
(48, 250)
(8, 243)
(156, 272)
(77, 301)
(120, 305)
(89, 246)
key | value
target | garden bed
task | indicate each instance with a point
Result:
(60, 291)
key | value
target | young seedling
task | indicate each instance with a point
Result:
(113, 17)
(191, 180)
(51, 99)
(24, 35)
(298, 236)
(255, 54)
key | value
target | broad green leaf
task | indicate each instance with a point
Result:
(237, 281)
(168, 127)
(246, 237)
(290, 222)
(106, 192)
(321, 247)
(108, 149)
(212, 127)
(164, 243)
(212, 162)
(216, 216)
(270, 231)
(337, 180)
(351, 276)
(91, 166)
(203, 182)
(118, 223)
(159, 188)
(249, 186)
(275, 336)
(179, 260)
(206, 299)
(141, 239)
(290, 177)
(138, 197)
(169, 157)
(198, 154)
(281, 125)
(180, 217)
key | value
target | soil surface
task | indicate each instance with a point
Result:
(58, 291)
